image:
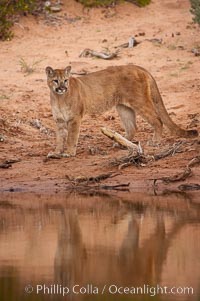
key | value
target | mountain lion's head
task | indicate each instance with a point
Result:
(58, 79)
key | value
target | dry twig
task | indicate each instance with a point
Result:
(137, 160)
(181, 176)
(169, 152)
(195, 161)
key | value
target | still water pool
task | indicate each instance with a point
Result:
(128, 246)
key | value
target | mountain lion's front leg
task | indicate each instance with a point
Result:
(73, 134)
(61, 135)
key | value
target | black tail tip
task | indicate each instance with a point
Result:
(192, 133)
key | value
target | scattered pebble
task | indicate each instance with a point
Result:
(2, 138)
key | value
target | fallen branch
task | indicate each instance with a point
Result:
(177, 177)
(137, 160)
(135, 149)
(184, 187)
(91, 53)
(135, 156)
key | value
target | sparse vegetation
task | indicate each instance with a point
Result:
(3, 96)
(195, 10)
(92, 3)
(171, 47)
(8, 9)
(140, 2)
(186, 66)
(26, 68)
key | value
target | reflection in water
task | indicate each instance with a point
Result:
(127, 240)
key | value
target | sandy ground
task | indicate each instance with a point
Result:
(58, 41)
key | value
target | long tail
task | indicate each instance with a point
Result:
(163, 114)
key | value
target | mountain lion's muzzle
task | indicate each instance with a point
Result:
(60, 90)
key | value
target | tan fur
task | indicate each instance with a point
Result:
(130, 88)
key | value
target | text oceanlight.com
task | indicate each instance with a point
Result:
(112, 289)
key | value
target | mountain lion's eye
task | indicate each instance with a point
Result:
(65, 81)
(55, 81)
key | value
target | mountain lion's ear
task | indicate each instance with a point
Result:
(67, 70)
(49, 71)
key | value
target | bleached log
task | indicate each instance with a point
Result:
(106, 56)
(135, 148)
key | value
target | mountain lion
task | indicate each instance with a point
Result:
(130, 88)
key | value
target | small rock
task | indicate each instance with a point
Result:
(36, 123)
(2, 138)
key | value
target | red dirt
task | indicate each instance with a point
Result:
(24, 98)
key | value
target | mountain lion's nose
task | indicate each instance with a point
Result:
(61, 90)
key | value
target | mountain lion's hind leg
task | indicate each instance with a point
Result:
(128, 118)
(150, 115)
